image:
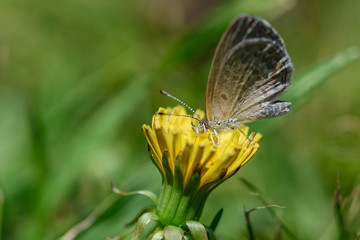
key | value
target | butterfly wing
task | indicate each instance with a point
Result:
(250, 68)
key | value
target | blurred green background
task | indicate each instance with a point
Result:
(79, 78)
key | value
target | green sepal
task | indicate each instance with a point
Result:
(141, 212)
(193, 186)
(165, 162)
(166, 188)
(173, 233)
(198, 202)
(147, 193)
(197, 230)
(157, 235)
(143, 221)
(186, 199)
(187, 237)
(211, 234)
(178, 177)
(178, 195)
(154, 160)
(170, 206)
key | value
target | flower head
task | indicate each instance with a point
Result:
(194, 152)
(191, 167)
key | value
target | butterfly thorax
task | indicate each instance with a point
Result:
(219, 126)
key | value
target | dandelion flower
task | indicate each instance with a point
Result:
(190, 165)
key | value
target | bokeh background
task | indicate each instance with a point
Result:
(79, 78)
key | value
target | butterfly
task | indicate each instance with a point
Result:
(251, 67)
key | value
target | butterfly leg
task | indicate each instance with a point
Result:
(204, 127)
(212, 138)
(196, 129)
(248, 137)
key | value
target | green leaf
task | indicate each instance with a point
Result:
(197, 230)
(250, 186)
(307, 83)
(143, 221)
(92, 134)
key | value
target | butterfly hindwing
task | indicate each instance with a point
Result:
(250, 68)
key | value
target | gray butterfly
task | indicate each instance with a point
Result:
(250, 69)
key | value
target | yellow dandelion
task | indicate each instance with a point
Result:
(190, 165)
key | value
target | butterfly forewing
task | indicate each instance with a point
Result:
(250, 68)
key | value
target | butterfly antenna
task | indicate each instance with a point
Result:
(176, 99)
(177, 115)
